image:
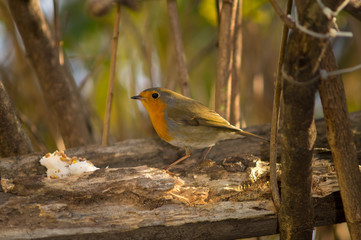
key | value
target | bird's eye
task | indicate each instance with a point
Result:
(155, 95)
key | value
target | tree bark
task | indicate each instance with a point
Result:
(353, 7)
(342, 145)
(13, 138)
(298, 131)
(276, 113)
(60, 96)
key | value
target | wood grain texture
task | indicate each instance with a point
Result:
(135, 198)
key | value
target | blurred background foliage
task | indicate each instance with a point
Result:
(146, 58)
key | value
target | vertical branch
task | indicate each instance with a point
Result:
(113, 59)
(276, 114)
(224, 58)
(178, 44)
(343, 148)
(235, 111)
(298, 129)
(13, 138)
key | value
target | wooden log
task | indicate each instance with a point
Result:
(227, 197)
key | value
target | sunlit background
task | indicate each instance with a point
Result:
(146, 59)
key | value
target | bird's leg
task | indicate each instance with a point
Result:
(205, 154)
(188, 154)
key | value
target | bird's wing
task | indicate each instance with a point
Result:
(196, 114)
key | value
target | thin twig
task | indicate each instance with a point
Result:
(276, 114)
(328, 12)
(284, 17)
(324, 74)
(180, 56)
(332, 33)
(291, 79)
(111, 77)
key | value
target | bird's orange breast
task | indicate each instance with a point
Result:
(156, 113)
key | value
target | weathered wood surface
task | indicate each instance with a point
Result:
(225, 198)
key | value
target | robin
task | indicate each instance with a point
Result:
(186, 123)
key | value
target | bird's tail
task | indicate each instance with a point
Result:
(244, 133)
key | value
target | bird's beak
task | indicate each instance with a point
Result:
(138, 97)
